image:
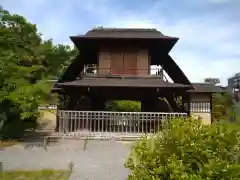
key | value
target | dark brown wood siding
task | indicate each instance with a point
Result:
(130, 60)
(116, 62)
(124, 61)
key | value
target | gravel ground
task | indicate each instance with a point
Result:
(102, 160)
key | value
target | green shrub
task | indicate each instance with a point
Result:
(187, 150)
(124, 106)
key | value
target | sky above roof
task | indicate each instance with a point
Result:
(209, 44)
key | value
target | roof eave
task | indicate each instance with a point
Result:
(83, 37)
(166, 85)
(206, 90)
(80, 41)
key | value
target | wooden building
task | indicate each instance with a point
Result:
(123, 60)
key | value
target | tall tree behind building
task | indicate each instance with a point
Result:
(213, 81)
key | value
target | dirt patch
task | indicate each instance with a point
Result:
(47, 120)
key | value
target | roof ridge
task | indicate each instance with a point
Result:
(125, 29)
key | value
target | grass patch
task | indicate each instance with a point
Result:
(7, 143)
(36, 175)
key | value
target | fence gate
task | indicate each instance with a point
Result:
(107, 124)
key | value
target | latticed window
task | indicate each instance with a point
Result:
(200, 106)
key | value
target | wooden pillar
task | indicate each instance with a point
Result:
(182, 105)
(211, 107)
(187, 100)
(189, 104)
(57, 120)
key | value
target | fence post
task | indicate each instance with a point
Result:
(1, 170)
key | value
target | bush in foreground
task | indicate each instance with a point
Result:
(187, 150)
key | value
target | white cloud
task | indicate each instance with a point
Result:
(202, 43)
(198, 67)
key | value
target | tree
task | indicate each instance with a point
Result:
(26, 62)
(57, 58)
(225, 107)
(20, 62)
(213, 81)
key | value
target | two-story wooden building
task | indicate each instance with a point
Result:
(123, 60)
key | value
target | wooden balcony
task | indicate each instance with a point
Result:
(127, 73)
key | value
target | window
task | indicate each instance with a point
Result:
(235, 81)
(200, 106)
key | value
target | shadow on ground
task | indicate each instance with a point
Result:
(30, 133)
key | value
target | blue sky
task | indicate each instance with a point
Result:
(209, 30)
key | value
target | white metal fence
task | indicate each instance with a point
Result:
(111, 124)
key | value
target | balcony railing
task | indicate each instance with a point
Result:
(145, 72)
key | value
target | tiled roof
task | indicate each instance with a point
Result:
(204, 87)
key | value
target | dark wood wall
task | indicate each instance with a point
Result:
(123, 60)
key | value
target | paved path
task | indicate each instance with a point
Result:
(102, 160)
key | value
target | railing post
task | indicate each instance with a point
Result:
(1, 170)
(57, 120)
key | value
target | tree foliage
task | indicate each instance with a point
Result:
(26, 62)
(222, 105)
(225, 106)
(213, 81)
(186, 149)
